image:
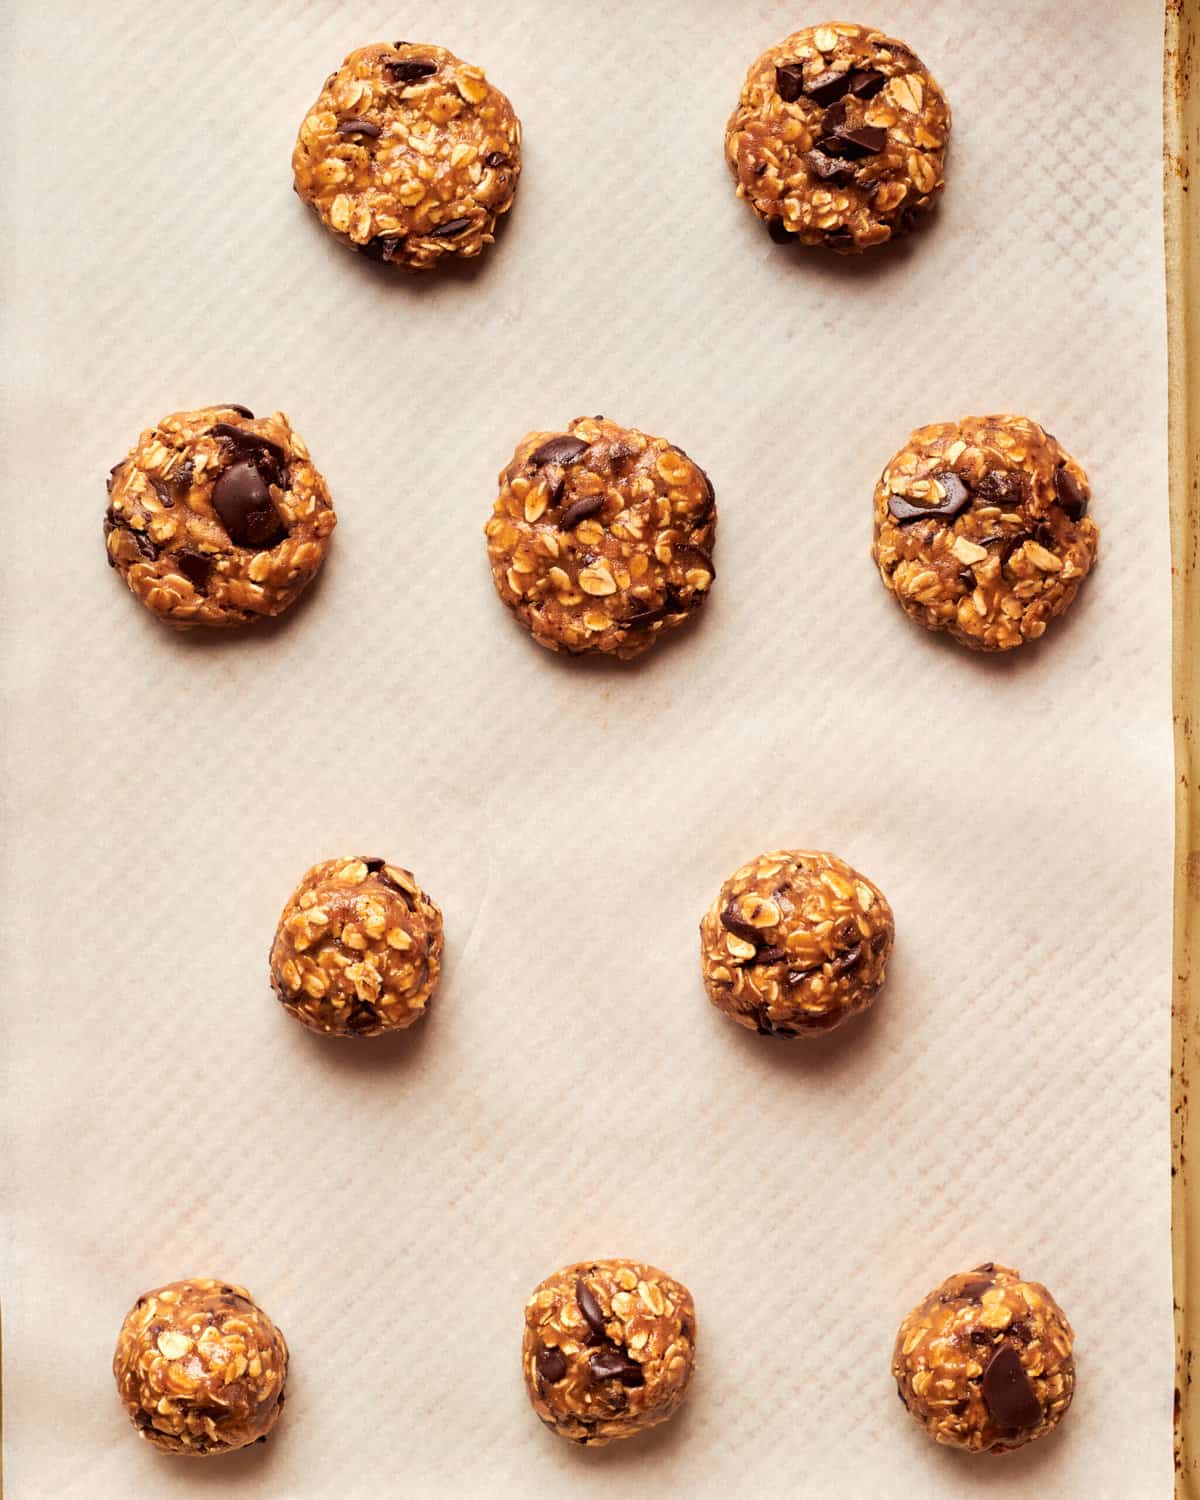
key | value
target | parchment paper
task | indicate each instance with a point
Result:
(573, 1094)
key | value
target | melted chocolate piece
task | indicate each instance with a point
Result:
(244, 507)
(590, 1308)
(1007, 1393)
(1071, 494)
(358, 127)
(559, 450)
(409, 69)
(581, 510)
(196, 567)
(552, 1365)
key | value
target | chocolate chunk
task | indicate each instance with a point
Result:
(980, 1336)
(266, 456)
(357, 127)
(845, 963)
(1021, 1332)
(770, 956)
(165, 497)
(779, 232)
(590, 505)
(452, 230)
(835, 117)
(196, 567)
(559, 450)
(612, 1364)
(828, 168)
(374, 865)
(854, 142)
(409, 69)
(731, 922)
(551, 1365)
(798, 976)
(555, 483)
(244, 507)
(972, 1291)
(789, 82)
(496, 159)
(382, 247)
(988, 1267)
(242, 411)
(144, 545)
(1071, 494)
(828, 87)
(112, 475)
(958, 497)
(590, 1308)
(865, 83)
(1007, 1393)
(1002, 488)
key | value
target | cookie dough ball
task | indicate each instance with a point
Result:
(200, 1368)
(609, 1349)
(601, 539)
(358, 949)
(985, 1362)
(217, 518)
(839, 138)
(409, 155)
(981, 530)
(795, 943)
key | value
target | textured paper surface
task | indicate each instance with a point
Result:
(573, 1094)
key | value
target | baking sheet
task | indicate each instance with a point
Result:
(573, 1094)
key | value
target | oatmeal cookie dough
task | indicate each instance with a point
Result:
(609, 1349)
(795, 944)
(985, 1362)
(981, 530)
(839, 138)
(601, 538)
(358, 949)
(409, 155)
(217, 518)
(200, 1368)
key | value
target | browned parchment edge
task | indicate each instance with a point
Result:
(1181, 118)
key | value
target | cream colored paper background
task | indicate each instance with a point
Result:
(573, 1094)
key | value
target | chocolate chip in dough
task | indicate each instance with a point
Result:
(612, 1364)
(789, 82)
(409, 69)
(827, 88)
(551, 1365)
(854, 142)
(1007, 1393)
(581, 510)
(196, 567)
(244, 507)
(590, 1308)
(828, 168)
(451, 230)
(559, 450)
(356, 126)
(731, 922)
(1071, 494)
